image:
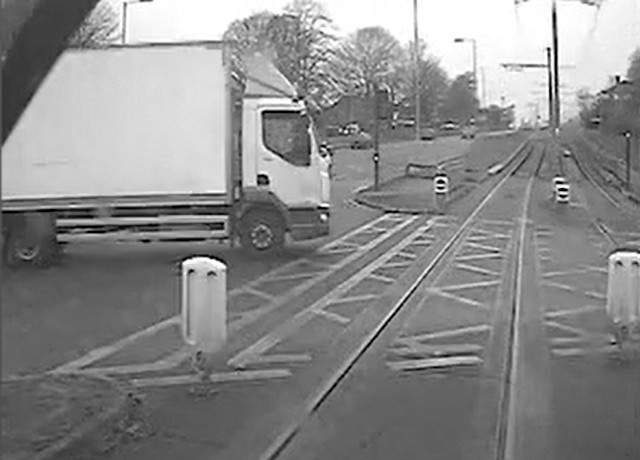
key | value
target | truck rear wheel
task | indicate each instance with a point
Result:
(31, 240)
(262, 232)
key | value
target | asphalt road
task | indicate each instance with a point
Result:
(102, 293)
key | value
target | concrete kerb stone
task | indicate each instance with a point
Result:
(95, 434)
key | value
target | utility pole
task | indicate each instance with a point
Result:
(556, 73)
(550, 88)
(416, 68)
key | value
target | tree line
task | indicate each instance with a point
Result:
(303, 43)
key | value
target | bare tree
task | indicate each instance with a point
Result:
(366, 59)
(100, 29)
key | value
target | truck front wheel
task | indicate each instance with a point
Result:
(262, 232)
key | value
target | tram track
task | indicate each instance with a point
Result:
(399, 311)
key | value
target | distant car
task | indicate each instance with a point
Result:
(361, 140)
(566, 152)
(469, 132)
(450, 127)
(428, 134)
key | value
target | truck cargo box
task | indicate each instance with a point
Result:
(132, 121)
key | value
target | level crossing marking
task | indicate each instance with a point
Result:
(464, 300)
(433, 363)
(258, 293)
(574, 311)
(474, 269)
(333, 316)
(448, 333)
(480, 256)
(419, 349)
(456, 287)
(558, 285)
(384, 279)
(283, 358)
(579, 271)
(483, 247)
(235, 376)
(571, 329)
(293, 324)
(249, 317)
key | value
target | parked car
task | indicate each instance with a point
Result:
(351, 136)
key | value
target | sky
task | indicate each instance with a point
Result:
(595, 44)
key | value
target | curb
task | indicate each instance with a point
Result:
(85, 441)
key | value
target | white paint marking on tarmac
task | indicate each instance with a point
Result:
(479, 256)
(496, 222)
(294, 323)
(398, 264)
(595, 295)
(258, 293)
(283, 358)
(237, 376)
(107, 350)
(474, 269)
(483, 247)
(169, 362)
(103, 352)
(434, 363)
(565, 273)
(354, 298)
(464, 300)
(438, 350)
(408, 255)
(571, 329)
(448, 333)
(596, 269)
(384, 279)
(584, 351)
(558, 285)
(573, 311)
(488, 233)
(456, 287)
(293, 276)
(568, 340)
(333, 316)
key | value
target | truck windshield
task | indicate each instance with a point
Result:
(286, 134)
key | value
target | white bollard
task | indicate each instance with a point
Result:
(204, 304)
(562, 192)
(623, 291)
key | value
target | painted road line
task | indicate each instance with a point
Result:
(333, 316)
(354, 298)
(584, 351)
(558, 285)
(474, 269)
(236, 376)
(480, 256)
(294, 323)
(456, 287)
(420, 349)
(595, 295)
(292, 276)
(484, 247)
(107, 350)
(434, 363)
(596, 269)
(489, 233)
(169, 362)
(508, 223)
(445, 334)
(574, 311)
(384, 279)
(565, 272)
(571, 329)
(398, 264)
(284, 358)
(258, 293)
(408, 255)
(464, 300)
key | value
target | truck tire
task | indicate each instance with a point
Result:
(262, 232)
(31, 240)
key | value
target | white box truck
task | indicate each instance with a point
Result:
(152, 142)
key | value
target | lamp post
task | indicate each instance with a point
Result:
(416, 69)
(475, 61)
(124, 16)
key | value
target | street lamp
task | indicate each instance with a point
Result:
(416, 70)
(124, 16)
(475, 61)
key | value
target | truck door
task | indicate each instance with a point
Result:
(286, 158)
